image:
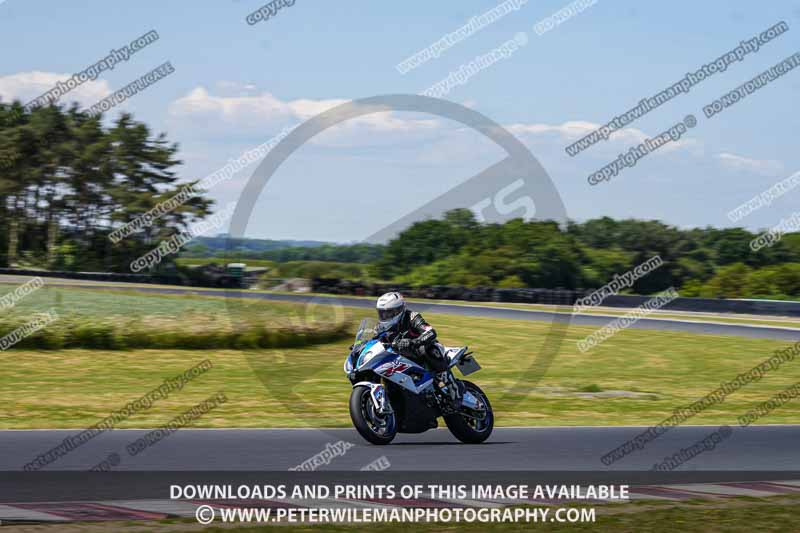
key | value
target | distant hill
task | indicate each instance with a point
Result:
(221, 243)
(282, 251)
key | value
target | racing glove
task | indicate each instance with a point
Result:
(402, 345)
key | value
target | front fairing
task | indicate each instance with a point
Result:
(364, 356)
(371, 354)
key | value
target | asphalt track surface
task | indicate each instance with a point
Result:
(755, 448)
(259, 456)
(663, 324)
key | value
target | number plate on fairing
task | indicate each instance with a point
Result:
(468, 365)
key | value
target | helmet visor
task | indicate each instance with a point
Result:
(385, 315)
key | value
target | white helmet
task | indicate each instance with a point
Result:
(390, 308)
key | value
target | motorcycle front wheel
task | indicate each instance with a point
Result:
(472, 427)
(374, 427)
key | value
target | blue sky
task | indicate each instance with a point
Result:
(236, 85)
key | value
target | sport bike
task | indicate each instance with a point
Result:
(393, 394)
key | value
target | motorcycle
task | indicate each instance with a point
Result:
(393, 394)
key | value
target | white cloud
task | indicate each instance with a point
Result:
(572, 130)
(764, 167)
(229, 110)
(233, 110)
(575, 129)
(26, 86)
(256, 113)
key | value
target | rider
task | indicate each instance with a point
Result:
(413, 337)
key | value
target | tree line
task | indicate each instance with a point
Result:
(283, 251)
(458, 250)
(708, 262)
(67, 181)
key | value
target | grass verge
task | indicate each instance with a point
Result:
(637, 377)
(119, 320)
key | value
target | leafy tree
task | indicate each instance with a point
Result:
(67, 182)
(729, 282)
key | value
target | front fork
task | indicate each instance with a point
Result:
(377, 392)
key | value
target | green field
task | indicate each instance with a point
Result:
(91, 318)
(636, 377)
(98, 303)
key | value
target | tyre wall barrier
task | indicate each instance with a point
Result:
(192, 278)
(555, 297)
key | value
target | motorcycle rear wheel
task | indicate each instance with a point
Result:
(372, 426)
(467, 428)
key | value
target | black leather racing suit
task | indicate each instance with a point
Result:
(415, 338)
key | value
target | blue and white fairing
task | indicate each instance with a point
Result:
(371, 353)
(376, 356)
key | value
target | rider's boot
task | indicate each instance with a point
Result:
(449, 387)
